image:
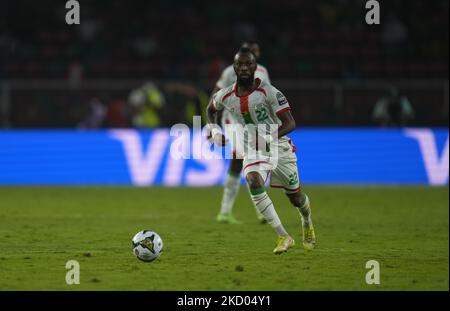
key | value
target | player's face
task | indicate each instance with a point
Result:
(245, 67)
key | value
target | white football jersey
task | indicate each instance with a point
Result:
(260, 107)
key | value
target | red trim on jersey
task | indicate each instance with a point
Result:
(254, 163)
(294, 148)
(258, 83)
(282, 110)
(227, 95)
(243, 101)
(287, 189)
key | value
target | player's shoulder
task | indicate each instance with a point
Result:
(227, 77)
(268, 87)
(262, 68)
(221, 95)
(228, 71)
(262, 73)
(272, 93)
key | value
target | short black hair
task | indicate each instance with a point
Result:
(244, 49)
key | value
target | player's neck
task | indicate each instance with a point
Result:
(243, 90)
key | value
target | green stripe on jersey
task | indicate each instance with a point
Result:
(256, 191)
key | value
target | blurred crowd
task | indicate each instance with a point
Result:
(146, 107)
(175, 40)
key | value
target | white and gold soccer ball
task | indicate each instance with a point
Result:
(147, 245)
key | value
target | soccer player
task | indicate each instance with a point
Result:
(253, 102)
(232, 180)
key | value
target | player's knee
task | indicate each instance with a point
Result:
(254, 180)
(297, 199)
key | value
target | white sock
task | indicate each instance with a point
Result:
(230, 192)
(305, 213)
(265, 206)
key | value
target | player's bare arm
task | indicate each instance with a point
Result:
(288, 123)
(212, 115)
(219, 113)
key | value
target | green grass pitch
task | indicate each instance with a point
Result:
(404, 228)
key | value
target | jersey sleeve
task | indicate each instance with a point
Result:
(262, 73)
(216, 100)
(277, 101)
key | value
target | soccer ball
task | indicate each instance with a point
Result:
(147, 245)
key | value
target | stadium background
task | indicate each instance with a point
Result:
(331, 65)
(67, 118)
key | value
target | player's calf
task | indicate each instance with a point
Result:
(230, 192)
(301, 201)
(264, 205)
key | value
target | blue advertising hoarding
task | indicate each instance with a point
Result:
(142, 158)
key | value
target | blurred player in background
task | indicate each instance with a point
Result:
(393, 110)
(232, 180)
(252, 103)
(145, 106)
